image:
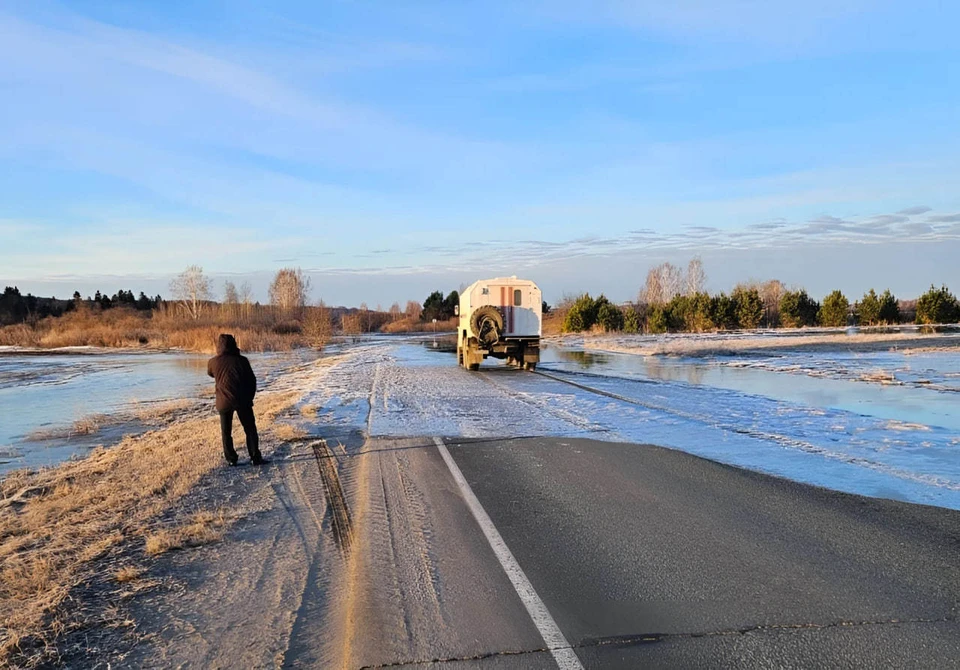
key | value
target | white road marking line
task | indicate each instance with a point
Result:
(563, 654)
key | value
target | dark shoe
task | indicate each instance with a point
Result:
(231, 463)
(260, 461)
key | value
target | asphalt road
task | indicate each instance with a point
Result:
(648, 557)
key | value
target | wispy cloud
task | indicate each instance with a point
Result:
(913, 211)
(819, 231)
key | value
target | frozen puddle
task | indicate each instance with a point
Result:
(405, 391)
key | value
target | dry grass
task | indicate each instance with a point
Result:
(204, 339)
(88, 425)
(154, 412)
(127, 573)
(128, 328)
(310, 411)
(553, 323)
(204, 528)
(286, 431)
(411, 325)
(56, 524)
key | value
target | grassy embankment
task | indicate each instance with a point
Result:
(84, 526)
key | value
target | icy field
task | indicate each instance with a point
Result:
(883, 449)
(44, 393)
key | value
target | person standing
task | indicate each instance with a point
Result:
(236, 386)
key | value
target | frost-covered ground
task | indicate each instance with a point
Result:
(905, 337)
(406, 390)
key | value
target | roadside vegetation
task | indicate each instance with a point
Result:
(193, 316)
(674, 301)
(90, 526)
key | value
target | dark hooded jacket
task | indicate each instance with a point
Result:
(236, 383)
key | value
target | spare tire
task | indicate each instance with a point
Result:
(487, 323)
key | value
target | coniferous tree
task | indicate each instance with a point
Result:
(833, 313)
(938, 305)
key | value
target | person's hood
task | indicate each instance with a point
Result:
(226, 344)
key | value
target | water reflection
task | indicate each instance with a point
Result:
(922, 403)
(584, 359)
(47, 393)
(441, 343)
(692, 372)
(652, 367)
(193, 364)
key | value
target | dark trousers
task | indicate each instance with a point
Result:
(245, 414)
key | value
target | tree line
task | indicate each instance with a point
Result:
(672, 300)
(18, 308)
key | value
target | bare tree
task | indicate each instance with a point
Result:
(414, 309)
(246, 299)
(771, 292)
(289, 290)
(191, 288)
(364, 318)
(663, 283)
(350, 324)
(395, 311)
(230, 299)
(671, 278)
(318, 325)
(652, 292)
(696, 277)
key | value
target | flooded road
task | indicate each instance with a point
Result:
(879, 423)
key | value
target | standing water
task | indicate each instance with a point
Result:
(910, 388)
(48, 398)
(881, 422)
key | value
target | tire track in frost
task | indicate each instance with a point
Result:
(583, 424)
(340, 521)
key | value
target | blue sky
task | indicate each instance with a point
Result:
(389, 148)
